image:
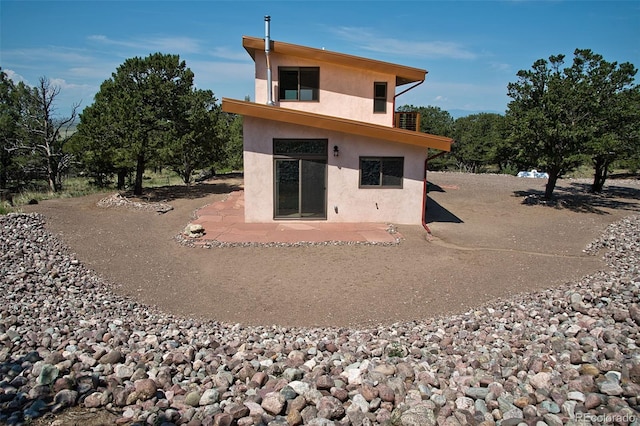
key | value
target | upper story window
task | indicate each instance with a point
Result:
(299, 83)
(376, 172)
(380, 96)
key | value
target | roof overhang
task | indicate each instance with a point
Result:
(319, 121)
(404, 74)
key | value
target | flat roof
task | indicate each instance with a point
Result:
(320, 121)
(404, 74)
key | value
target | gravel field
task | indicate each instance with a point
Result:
(75, 351)
(486, 244)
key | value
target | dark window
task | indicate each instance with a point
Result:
(380, 97)
(299, 84)
(381, 172)
(300, 178)
(296, 147)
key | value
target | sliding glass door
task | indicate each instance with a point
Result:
(300, 179)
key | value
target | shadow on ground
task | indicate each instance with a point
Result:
(435, 212)
(222, 184)
(578, 197)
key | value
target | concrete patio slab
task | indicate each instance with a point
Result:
(223, 222)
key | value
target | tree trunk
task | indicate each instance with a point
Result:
(137, 189)
(52, 185)
(4, 167)
(122, 174)
(601, 166)
(188, 169)
(51, 174)
(551, 183)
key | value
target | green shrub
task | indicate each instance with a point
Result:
(396, 351)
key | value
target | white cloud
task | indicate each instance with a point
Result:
(450, 95)
(15, 77)
(179, 45)
(500, 67)
(222, 72)
(49, 54)
(98, 37)
(365, 39)
(64, 85)
(102, 71)
(231, 54)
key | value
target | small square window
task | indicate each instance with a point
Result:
(299, 84)
(386, 172)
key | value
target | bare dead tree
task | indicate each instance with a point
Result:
(49, 134)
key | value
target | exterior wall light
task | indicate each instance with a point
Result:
(336, 151)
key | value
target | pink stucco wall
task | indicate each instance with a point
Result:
(344, 92)
(398, 206)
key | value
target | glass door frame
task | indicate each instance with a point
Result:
(301, 150)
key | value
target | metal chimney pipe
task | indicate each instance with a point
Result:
(267, 49)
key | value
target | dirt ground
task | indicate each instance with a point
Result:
(486, 244)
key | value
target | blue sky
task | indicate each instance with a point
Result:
(472, 49)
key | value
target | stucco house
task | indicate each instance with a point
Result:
(322, 141)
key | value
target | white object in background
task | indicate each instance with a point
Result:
(534, 174)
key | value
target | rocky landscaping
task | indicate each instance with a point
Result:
(569, 355)
(120, 201)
